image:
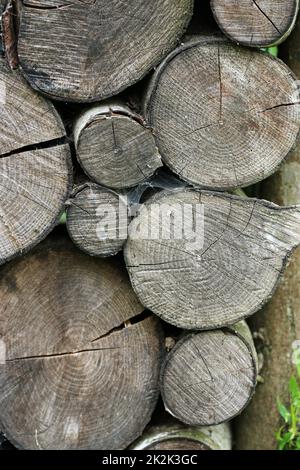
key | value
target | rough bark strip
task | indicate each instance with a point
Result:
(115, 147)
(209, 377)
(247, 141)
(97, 220)
(72, 379)
(216, 283)
(9, 35)
(97, 48)
(257, 23)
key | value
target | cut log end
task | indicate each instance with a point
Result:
(208, 377)
(119, 42)
(81, 366)
(170, 434)
(213, 105)
(203, 260)
(114, 147)
(256, 23)
(97, 220)
(178, 444)
(35, 166)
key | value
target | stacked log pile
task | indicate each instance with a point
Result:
(151, 233)
(278, 324)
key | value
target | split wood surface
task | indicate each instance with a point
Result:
(82, 366)
(35, 166)
(223, 116)
(209, 377)
(97, 220)
(90, 50)
(215, 281)
(115, 147)
(258, 23)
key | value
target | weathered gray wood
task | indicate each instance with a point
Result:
(87, 51)
(258, 23)
(82, 367)
(197, 285)
(223, 116)
(97, 220)
(209, 377)
(2, 7)
(115, 147)
(35, 166)
(173, 435)
(277, 326)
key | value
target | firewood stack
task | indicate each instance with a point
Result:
(130, 255)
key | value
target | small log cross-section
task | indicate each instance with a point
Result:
(97, 220)
(82, 365)
(203, 260)
(210, 376)
(223, 116)
(115, 147)
(173, 435)
(258, 23)
(35, 166)
(90, 50)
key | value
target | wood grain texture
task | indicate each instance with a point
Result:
(209, 377)
(170, 434)
(223, 116)
(115, 147)
(258, 23)
(2, 8)
(81, 366)
(278, 324)
(97, 220)
(9, 22)
(35, 166)
(96, 48)
(225, 279)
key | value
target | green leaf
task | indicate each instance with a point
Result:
(284, 413)
(285, 440)
(294, 388)
(271, 50)
(63, 218)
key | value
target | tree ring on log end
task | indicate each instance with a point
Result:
(223, 116)
(82, 365)
(35, 166)
(203, 260)
(115, 147)
(97, 220)
(208, 378)
(256, 23)
(88, 51)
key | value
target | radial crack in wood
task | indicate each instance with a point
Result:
(35, 166)
(60, 389)
(210, 377)
(207, 104)
(88, 51)
(115, 147)
(258, 23)
(201, 260)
